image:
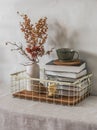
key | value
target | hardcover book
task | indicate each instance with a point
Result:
(66, 74)
(79, 88)
(72, 93)
(66, 68)
(60, 79)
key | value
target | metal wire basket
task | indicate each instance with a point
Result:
(51, 91)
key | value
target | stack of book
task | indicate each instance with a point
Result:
(68, 72)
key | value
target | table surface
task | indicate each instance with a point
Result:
(85, 112)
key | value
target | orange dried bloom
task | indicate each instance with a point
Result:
(35, 35)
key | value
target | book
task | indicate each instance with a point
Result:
(60, 79)
(66, 74)
(66, 68)
(71, 89)
(72, 93)
(82, 85)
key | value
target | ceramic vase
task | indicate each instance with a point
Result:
(33, 71)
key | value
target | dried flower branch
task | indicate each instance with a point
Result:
(35, 36)
(20, 49)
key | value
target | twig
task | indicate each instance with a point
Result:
(48, 52)
(20, 49)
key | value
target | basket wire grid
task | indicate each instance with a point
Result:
(51, 91)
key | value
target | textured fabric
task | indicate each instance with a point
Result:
(20, 114)
(28, 115)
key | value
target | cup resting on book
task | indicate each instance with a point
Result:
(67, 54)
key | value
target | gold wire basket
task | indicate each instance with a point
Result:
(44, 90)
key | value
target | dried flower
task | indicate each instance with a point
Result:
(35, 36)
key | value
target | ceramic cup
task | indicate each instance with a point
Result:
(67, 54)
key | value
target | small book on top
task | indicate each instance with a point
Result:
(65, 68)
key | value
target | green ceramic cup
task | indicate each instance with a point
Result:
(67, 54)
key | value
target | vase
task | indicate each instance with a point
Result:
(33, 71)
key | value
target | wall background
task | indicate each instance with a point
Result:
(71, 24)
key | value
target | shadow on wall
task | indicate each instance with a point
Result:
(60, 36)
(91, 60)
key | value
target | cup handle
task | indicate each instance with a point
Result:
(77, 53)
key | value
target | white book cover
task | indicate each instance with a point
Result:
(61, 79)
(66, 74)
(72, 93)
(76, 68)
(84, 84)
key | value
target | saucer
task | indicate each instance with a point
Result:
(67, 62)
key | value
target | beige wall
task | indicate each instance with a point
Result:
(75, 18)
